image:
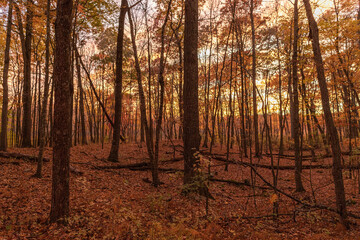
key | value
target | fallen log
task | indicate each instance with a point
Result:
(133, 165)
(10, 163)
(147, 168)
(291, 157)
(137, 165)
(286, 167)
(21, 156)
(318, 206)
(233, 182)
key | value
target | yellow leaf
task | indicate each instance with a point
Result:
(273, 198)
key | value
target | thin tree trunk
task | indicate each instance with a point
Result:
(114, 152)
(149, 140)
(4, 112)
(26, 97)
(43, 118)
(155, 173)
(331, 129)
(295, 117)
(253, 43)
(81, 100)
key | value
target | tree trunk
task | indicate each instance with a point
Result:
(295, 117)
(81, 101)
(148, 134)
(155, 173)
(26, 98)
(42, 122)
(62, 112)
(114, 152)
(256, 130)
(4, 112)
(331, 129)
(191, 108)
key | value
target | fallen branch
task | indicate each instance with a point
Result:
(134, 165)
(96, 94)
(137, 165)
(21, 156)
(147, 168)
(287, 167)
(233, 182)
(318, 206)
(10, 163)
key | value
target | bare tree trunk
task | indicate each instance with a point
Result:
(114, 152)
(281, 117)
(43, 118)
(191, 106)
(256, 130)
(208, 80)
(161, 106)
(149, 140)
(239, 39)
(51, 114)
(231, 116)
(81, 100)
(62, 112)
(26, 122)
(295, 117)
(331, 129)
(4, 112)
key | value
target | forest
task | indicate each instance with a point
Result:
(180, 119)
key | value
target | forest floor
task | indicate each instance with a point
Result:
(122, 204)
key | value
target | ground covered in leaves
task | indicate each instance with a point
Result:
(121, 203)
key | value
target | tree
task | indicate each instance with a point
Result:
(4, 113)
(161, 105)
(26, 97)
(330, 125)
(42, 120)
(253, 73)
(191, 135)
(62, 112)
(114, 152)
(295, 122)
(81, 100)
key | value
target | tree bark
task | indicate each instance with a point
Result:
(191, 106)
(155, 173)
(4, 112)
(62, 112)
(114, 152)
(42, 121)
(330, 125)
(81, 101)
(253, 42)
(144, 122)
(26, 97)
(295, 113)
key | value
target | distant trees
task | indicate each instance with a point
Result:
(62, 112)
(246, 73)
